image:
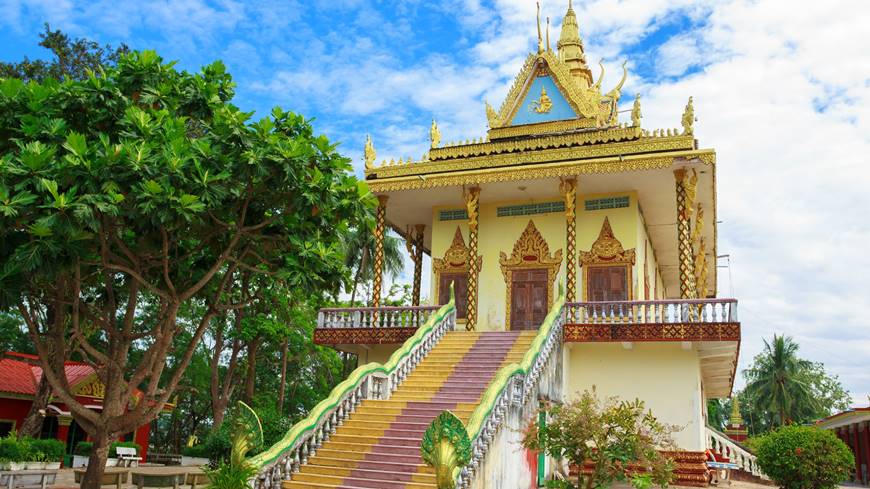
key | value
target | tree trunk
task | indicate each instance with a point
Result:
(283, 385)
(96, 463)
(32, 425)
(251, 376)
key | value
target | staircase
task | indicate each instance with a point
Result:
(379, 445)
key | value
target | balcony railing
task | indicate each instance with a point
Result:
(374, 317)
(652, 312)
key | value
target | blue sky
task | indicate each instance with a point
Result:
(782, 93)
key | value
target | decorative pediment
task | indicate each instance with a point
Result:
(530, 251)
(545, 72)
(607, 249)
(455, 258)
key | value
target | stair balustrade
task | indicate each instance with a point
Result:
(374, 317)
(652, 312)
(720, 443)
(371, 381)
(512, 399)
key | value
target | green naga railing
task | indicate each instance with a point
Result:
(511, 387)
(370, 381)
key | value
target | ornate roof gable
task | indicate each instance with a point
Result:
(586, 103)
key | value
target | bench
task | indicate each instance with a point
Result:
(152, 479)
(111, 476)
(721, 471)
(165, 458)
(127, 457)
(31, 478)
(195, 479)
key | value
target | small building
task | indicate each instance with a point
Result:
(853, 427)
(20, 375)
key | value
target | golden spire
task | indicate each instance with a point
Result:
(434, 135)
(540, 40)
(570, 48)
(736, 419)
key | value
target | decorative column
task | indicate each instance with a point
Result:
(856, 449)
(686, 188)
(380, 224)
(867, 451)
(414, 243)
(700, 247)
(472, 198)
(63, 424)
(569, 191)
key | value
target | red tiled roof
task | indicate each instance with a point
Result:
(22, 376)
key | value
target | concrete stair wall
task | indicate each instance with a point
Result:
(378, 447)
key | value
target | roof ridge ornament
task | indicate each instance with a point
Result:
(434, 135)
(369, 153)
(540, 40)
(689, 119)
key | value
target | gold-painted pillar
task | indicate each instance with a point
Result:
(700, 254)
(380, 230)
(569, 192)
(686, 187)
(414, 242)
(472, 198)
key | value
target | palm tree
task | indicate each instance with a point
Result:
(776, 381)
(359, 256)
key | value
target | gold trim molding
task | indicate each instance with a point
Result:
(455, 260)
(607, 251)
(549, 148)
(550, 168)
(530, 251)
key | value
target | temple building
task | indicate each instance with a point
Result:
(853, 427)
(20, 375)
(566, 210)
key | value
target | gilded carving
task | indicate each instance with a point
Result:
(551, 170)
(472, 200)
(530, 251)
(93, 388)
(607, 251)
(434, 135)
(543, 104)
(544, 149)
(689, 119)
(685, 193)
(369, 153)
(569, 191)
(635, 112)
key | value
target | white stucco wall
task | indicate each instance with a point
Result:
(666, 376)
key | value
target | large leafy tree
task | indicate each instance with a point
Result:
(127, 195)
(783, 388)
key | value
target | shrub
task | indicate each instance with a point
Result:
(113, 452)
(51, 449)
(229, 476)
(84, 448)
(14, 450)
(804, 457)
(195, 451)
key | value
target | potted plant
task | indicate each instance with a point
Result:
(13, 451)
(35, 461)
(52, 450)
(82, 453)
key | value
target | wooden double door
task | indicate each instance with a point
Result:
(460, 289)
(528, 298)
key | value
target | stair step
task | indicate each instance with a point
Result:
(352, 482)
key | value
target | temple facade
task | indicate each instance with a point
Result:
(565, 207)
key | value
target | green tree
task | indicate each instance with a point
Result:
(360, 252)
(617, 440)
(138, 190)
(782, 388)
(71, 59)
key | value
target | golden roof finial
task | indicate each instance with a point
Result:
(540, 39)
(434, 135)
(548, 34)
(736, 418)
(369, 153)
(689, 118)
(635, 112)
